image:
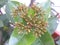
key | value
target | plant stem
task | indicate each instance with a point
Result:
(32, 1)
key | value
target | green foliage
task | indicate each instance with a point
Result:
(1, 24)
(51, 22)
(3, 2)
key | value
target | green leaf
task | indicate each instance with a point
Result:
(29, 39)
(8, 12)
(37, 42)
(1, 24)
(9, 8)
(15, 3)
(23, 39)
(52, 24)
(3, 2)
(4, 19)
(47, 39)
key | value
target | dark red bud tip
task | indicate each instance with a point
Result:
(55, 35)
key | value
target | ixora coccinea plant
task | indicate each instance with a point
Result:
(33, 22)
(30, 25)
